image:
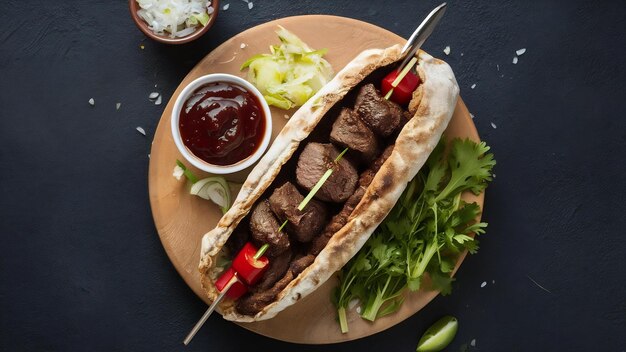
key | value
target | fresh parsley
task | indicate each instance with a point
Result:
(425, 232)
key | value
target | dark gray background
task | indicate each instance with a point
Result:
(81, 265)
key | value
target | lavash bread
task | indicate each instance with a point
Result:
(432, 106)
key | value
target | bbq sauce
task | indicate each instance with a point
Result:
(222, 123)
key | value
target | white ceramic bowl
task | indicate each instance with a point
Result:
(196, 161)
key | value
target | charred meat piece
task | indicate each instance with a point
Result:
(303, 225)
(298, 265)
(277, 268)
(254, 303)
(381, 115)
(264, 228)
(314, 160)
(341, 219)
(349, 131)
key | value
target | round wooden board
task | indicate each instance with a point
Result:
(181, 219)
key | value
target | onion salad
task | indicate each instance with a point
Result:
(175, 18)
(291, 74)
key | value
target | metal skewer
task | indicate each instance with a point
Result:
(423, 31)
(209, 311)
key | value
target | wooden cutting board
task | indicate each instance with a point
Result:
(181, 219)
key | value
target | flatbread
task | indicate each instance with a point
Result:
(432, 106)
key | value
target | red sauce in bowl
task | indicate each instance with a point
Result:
(222, 123)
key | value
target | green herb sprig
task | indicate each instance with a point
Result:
(425, 232)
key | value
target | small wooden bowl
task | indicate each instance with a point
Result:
(143, 26)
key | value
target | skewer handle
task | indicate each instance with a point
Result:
(422, 33)
(209, 311)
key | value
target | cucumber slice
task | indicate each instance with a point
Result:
(278, 101)
(291, 74)
(264, 73)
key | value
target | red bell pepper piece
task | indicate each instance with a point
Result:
(403, 93)
(249, 269)
(237, 290)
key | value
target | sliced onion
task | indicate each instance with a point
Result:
(185, 32)
(214, 189)
(176, 18)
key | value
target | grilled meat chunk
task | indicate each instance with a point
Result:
(264, 228)
(314, 160)
(341, 219)
(277, 268)
(381, 115)
(253, 303)
(303, 225)
(298, 265)
(349, 131)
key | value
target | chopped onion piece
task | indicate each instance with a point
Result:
(520, 52)
(178, 172)
(185, 32)
(92, 102)
(515, 60)
(229, 60)
(447, 50)
(141, 130)
(214, 189)
(153, 95)
(158, 101)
